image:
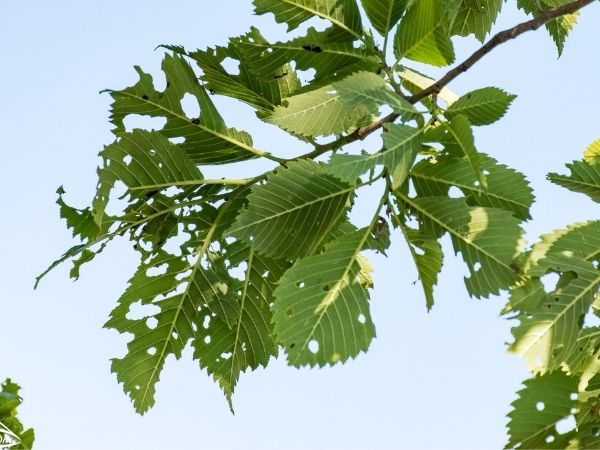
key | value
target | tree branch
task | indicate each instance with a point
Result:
(435, 88)
(498, 39)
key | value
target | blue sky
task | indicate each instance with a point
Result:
(430, 380)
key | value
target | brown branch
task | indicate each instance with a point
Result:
(435, 88)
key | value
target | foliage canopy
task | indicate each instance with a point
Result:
(243, 269)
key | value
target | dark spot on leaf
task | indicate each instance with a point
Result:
(312, 48)
(281, 75)
(326, 288)
(211, 92)
(145, 97)
(196, 121)
(289, 312)
(292, 345)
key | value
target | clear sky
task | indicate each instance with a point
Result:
(438, 380)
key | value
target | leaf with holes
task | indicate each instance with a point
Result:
(344, 14)
(207, 140)
(263, 94)
(227, 351)
(482, 106)
(487, 238)
(505, 188)
(321, 309)
(422, 35)
(322, 51)
(543, 402)
(292, 214)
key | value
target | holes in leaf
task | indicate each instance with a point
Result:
(306, 76)
(455, 192)
(157, 270)
(226, 356)
(207, 339)
(549, 281)
(177, 140)
(206, 322)
(549, 438)
(266, 274)
(132, 121)
(190, 105)
(574, 396)
(139, 311)
(362, 318)
(565, 425)
(152, 351)
(300, 284)
(540, 406)
(231, 65)
(152, 322)
(174, 335)
(477, 266)
(313, 346)
(127, 159)
(239, 272)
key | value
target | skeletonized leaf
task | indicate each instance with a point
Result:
(422, 35)
(482, 106)
(321, 310)
(293, 212)
(487, 238)
(342, 13)
(207, 140)
(384, 14)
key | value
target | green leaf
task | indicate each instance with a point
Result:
(227, 351)
(428, 257)
(322, 51)
(321, 309)
(370, 91)
(12, 433)
(592, 153)
(548, 332)
(460, 141)
(543, 402)
(319, 113)
(145, 162)
(414, 82)
(263, 94)
(482, 106)
(207, 138)
(384, 14)
(488, 238)
(293, 212)
(174, 293)
(506, 188)
(584, 178)
(476, 17)
(401, 145)
(558, 28)
(423, 35)
(342, 13)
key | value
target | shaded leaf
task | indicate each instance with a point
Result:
(482, 106)
(384, 14)
(476, 17)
